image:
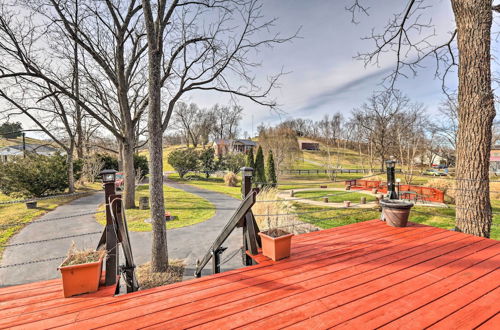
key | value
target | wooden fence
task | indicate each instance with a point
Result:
(426, 194)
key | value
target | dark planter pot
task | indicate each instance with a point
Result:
(396, 212)
(31, 205)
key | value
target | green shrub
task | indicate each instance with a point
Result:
(109, 162)
(11, 130)
(250, 159)
(234, 162)
(259, 171)
(271, 169)
(141, 165)
(183, 161)
(34, 176)
(207, 161)
(78, 168)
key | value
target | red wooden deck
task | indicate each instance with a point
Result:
(364, 275)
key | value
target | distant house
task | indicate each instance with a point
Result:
(495, 157)
(431, 159)
(225, 146)
(17, 150)
(307, 144)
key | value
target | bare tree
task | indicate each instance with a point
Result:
(409, 128)
(409, 37)
(111, 82)
(282, 141)
(53, 115)
(186, 119)
(377, 117)
(196, 46)
(225, 121)
(330, 130)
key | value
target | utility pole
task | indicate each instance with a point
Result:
(24, 145)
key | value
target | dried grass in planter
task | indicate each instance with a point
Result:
(78, 257)
(267, 218)
(148, 279)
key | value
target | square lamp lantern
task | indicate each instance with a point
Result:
(247, 171)
(108, 176)
(390, 163)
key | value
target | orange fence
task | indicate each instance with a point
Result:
(427, 194)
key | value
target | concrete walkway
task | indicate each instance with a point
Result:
(188, 243)
(44, 250)
(192, 242)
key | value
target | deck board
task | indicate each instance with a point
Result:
(363, 275)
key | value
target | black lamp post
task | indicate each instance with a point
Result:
(391, 179)
(108, 180)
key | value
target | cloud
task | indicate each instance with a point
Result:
(344, 90)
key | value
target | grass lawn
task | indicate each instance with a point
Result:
(287, 182)
(334, 217)
(436, 217)
(13, 217)
(212, 183)
(187, 209)
(334, 196)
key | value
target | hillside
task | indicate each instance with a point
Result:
(345, 158)
(19, 140)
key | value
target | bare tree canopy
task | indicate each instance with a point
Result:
(409, 37)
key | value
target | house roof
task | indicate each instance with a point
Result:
(18, 149)
(242, 141)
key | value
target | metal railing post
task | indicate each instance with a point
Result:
(246, 187)
(111, 239)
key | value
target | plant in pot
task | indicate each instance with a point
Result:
(81, 271)
(276, 242)
(396, 212)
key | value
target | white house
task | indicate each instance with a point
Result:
(224, 146)
(18, 150)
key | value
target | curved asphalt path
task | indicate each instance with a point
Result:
(188, 243)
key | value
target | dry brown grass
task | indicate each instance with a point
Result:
(148, 279)
(445, 185)
(231, 179)
(78, 257)
(274, 215)
(495, 188)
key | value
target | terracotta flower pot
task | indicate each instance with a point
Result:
(396, 212)
(276, 248)
(83, 278)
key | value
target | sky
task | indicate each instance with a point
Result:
(324, 75)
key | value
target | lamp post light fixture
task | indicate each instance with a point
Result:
(108, 176)
(247, 173)
(391, 179)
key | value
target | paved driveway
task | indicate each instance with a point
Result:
(189, 243)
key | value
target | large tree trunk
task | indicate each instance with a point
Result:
(129, 174)
(159, 253)
(476, 113)
(71, 174)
